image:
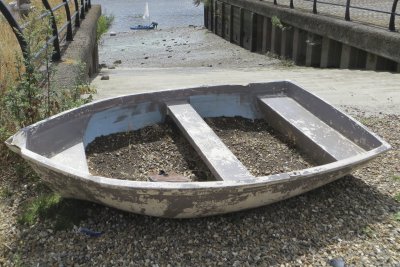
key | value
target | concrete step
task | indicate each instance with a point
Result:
(221, 161)
(299, 121)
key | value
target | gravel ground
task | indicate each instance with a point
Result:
(137, 155)
(352, 218)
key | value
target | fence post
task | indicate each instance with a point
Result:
(275, 3)
(90, 4)
(314, 7)
(347, 15)
(56, 43)
(392, 26)
(82, 9)
(291, 4)
(86, 6)
(69, 27)
(77, 21)
(15, 27)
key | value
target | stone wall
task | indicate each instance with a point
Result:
(82, 51)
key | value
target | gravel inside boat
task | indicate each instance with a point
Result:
(136, 155)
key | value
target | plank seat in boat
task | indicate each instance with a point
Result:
(221, 161)
(336, 145)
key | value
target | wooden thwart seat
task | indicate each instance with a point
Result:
(221, 161)
(295, 117)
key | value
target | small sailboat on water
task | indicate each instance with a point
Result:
(146, 15)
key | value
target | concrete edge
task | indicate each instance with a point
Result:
(80, 59)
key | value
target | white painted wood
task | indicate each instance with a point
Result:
(330, 140)
(221, 161)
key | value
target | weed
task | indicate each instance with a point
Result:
(397, 197)
(198, 2)
(397, 216)
(103, 24)
(5, 193)
(368, 231)
(17, 260)
(38, 208)
(367, 121)
(396, 177)
(61, 213)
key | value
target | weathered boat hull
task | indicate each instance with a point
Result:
(55, 149)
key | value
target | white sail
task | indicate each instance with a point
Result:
(146, 11)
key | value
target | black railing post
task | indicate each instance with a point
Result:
(82, 9)
(275, 3)
(77, 21)
(56, 43)
(89, 3)
(86, 6)
(68, 14)
(392, 26)
(15, 27)
(291, 4)
(314, 7)
(347, 15)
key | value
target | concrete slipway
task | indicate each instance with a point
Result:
(372, 92)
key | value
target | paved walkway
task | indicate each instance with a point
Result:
(372, 92)
(363, 16)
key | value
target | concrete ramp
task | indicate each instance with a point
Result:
(300, 124)
(221, 161)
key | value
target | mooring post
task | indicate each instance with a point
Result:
(266, 36)
(299, 46)
(287, 42)
(330, 53)
(276, 38)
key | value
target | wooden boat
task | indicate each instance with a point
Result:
(55, 148)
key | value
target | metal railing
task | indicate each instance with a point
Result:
(348, 7)
(72, 21)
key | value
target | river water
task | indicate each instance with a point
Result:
(167, 13)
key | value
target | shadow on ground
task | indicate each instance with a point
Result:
(275, 234)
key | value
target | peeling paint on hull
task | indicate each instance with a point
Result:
(186, 199)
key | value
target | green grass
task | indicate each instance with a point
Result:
(5, 193)
(368, 231)
(396, 178)
(397, 197)
(397, 216)
(61, 213)
(39, 207)
(103, 24)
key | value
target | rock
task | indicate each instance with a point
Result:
(118, 61)
(113, 34)
(338, 262)
(105, 77)
(111, 67)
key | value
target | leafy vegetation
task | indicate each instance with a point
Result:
(61, 213)
(103, 24)
(29, 95)
(397, 216)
